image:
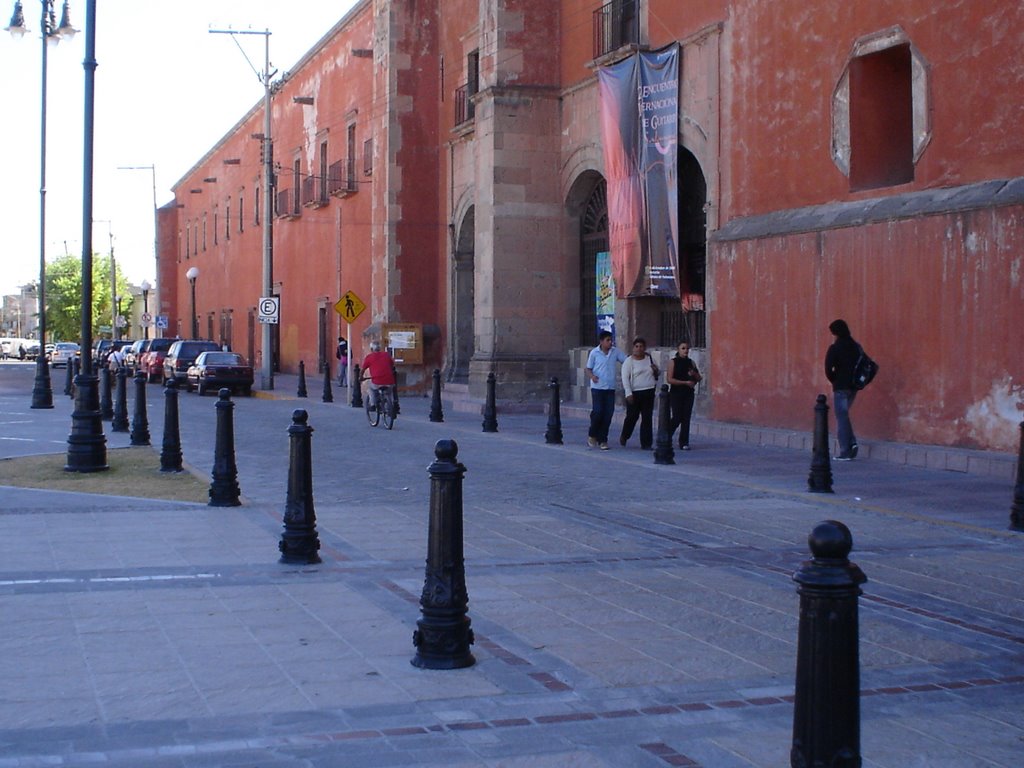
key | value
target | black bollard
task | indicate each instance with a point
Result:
(106, 400)
(1017, 509)
(436, 413)
(554, 434)
(664, 453)
(140, 419)
(328, 396)
(357, 388)
(397, 405)
(300, 542)
(820, 479)
(120, 421)
(170, 453)
(826, 710)
(443, 634)
(490, 409)
(302, 380)
(69, 378)
(224, 490)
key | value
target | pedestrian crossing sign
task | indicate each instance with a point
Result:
(349, 306)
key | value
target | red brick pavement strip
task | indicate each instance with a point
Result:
(667, 754)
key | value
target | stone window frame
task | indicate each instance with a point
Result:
(920, 95)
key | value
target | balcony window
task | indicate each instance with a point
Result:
(616, 24)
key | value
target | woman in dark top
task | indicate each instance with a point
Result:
(682, 379)
(840, 360)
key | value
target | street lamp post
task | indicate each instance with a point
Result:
(145, 308)
(192, 274)
(117, 317)
(87, 446)
(51, 34)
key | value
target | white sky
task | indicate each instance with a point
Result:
(166, 91)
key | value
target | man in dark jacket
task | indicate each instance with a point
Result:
(840, 361)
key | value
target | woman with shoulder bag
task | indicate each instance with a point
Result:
(640, 381)
(682, 379)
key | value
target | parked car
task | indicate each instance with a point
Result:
(100, 347)
(213, 370)
(181, 355)
(63, 351)
(32, 349)
(152, 361)
(49, 350)
(132, 353)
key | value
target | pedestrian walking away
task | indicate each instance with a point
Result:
(601, 373)
(682, 377)
(640, 382)
(342, 354)
(840, 361)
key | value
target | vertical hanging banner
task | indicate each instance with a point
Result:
(640, 132)
(604, 300)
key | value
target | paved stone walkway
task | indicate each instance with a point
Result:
(625, 614)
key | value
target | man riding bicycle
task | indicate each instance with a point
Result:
(379, 368)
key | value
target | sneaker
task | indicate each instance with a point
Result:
(684, 447)
(843, 457)
(853, 450)
(604, 446)
(591, 442)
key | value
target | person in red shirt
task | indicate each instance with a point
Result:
(378, 367)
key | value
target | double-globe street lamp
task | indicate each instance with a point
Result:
(192, 274)
(51, 34)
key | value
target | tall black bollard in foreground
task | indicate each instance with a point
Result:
(106, 400)
(490, 409)
(443, 635)
(820, 479)
(553, 436)
(663, 451)
(302, 380)
(328, 396)
(300, 542)
(224, 490)
(120, 422)
(436, 413)
(69, 379)
(826, 712)
(357, 388)
(140, 419)
(1017, 510)
(170, 451)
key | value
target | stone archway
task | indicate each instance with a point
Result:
(463, 294)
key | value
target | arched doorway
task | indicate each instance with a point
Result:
(463, 300)
(693, 247)
(593, 243)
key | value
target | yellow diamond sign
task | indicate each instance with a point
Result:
(349, 306)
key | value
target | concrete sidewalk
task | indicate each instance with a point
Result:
(625, 614)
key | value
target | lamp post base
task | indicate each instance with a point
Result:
(42, 392)
(87, 445)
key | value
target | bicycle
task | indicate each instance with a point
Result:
(380, 402)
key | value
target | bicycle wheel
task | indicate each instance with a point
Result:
(372, 411)
(387, 403)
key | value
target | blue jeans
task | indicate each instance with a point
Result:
(843, 401)
(601, 413)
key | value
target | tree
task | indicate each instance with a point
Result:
(64, 296)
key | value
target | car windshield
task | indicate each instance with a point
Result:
(160, 345)
(66, 345)
(221, 358)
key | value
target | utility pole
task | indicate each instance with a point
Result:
(267, 362)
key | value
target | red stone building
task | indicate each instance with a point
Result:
(445, 162)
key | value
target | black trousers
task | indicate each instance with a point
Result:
(641, 408)
(680, 400)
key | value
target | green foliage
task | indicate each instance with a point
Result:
(64, 297)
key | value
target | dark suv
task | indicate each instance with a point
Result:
(182, 354)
